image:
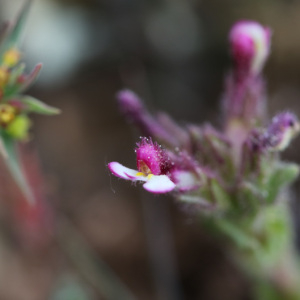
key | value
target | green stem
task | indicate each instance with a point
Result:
(263, 246)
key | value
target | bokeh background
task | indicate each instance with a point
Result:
(174, 54)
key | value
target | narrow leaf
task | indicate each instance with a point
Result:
(24, 83)
(14, 165)
(237, 234)
(16, 73)
(283, 174)
(15, 30)
(219, 195)
(29, 79)
(36, 106)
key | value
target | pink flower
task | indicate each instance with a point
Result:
(250, 45)
(153, 167)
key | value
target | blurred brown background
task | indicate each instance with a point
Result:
(174, 54)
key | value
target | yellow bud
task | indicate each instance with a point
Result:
(11, 57)
(7, 113)
(19, 127)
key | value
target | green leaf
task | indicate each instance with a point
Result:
(250, 197)
(13, 162)
(19, 87)
(15, 73)
(36, 106)
(282, 175)
(16, 86)
(31, 78)
(276, 230)
(14, 32)
(237, 234)
(220, 195)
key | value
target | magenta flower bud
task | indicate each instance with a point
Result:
(131, 106)
(276, 137)
(283, 128)
(250, 46)
(151, 158)
(129, 103)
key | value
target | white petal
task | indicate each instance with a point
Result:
(120, 171)
(159, 184)
(185, 181)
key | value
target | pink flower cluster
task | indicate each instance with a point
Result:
(210, 164)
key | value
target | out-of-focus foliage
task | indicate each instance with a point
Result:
(14, 107)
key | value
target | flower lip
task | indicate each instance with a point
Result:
(157, 184)
(121, 171)
(185, 180)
